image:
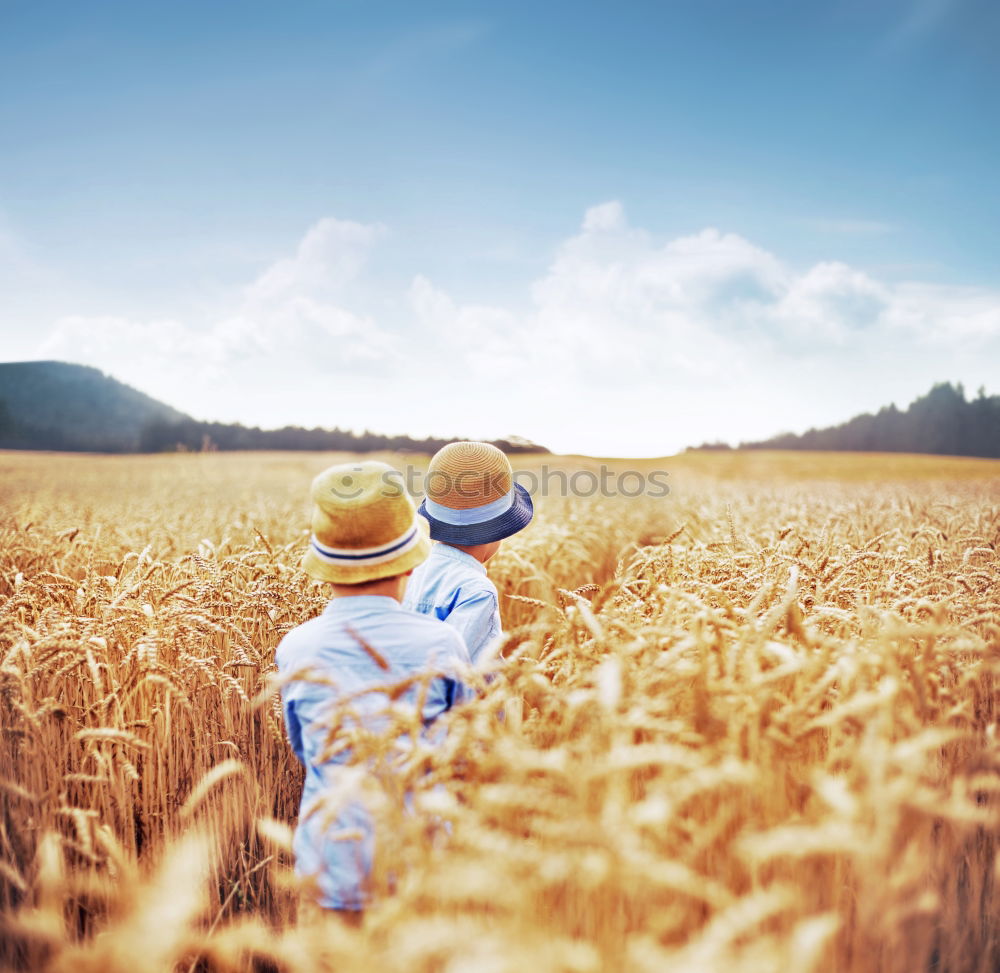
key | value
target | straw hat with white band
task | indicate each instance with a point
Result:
(364, 525)
(472, 497)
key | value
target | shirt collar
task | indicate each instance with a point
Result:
(360, 604)
(454, 554)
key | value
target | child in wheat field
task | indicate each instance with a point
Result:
(366, 539)
(472, 504)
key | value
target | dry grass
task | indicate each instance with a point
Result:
(766, 742)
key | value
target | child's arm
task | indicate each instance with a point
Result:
(293, 727)
(450, 686)
(477, 620)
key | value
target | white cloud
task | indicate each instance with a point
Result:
(633, 345)
(939, 314)
(626, 344)
(286, 320)
(329, 256)
(87, 339)
(610, 282)
(830, 302)
(604, 217)
(488, 337)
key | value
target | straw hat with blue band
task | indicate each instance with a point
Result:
(364, 525)
(472, 497)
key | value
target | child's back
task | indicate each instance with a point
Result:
(452, 585)
(329, 651)
(336, 668)
(472, 504)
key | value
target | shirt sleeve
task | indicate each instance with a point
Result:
(460, 691)
(477, 620)
(293, 728)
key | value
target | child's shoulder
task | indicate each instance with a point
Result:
(298, 640)
(472, 574)
(479, 585)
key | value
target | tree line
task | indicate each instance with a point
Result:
(190, 435)
(943, 421)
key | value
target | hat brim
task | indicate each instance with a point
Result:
(506, 525)
(359, 573)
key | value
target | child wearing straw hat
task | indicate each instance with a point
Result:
(472, 504)
(366, 539)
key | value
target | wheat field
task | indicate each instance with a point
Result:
(748, 726)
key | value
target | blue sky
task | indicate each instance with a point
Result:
(614, 228)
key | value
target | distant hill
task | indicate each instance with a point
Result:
(59, 406)
(943, 421)
(56, 405)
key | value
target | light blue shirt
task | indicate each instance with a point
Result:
(329, 649)
(453, 586)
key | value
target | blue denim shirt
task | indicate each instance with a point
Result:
(328, 648)
(453, 586)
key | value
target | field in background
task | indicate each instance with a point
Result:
(747, 726)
